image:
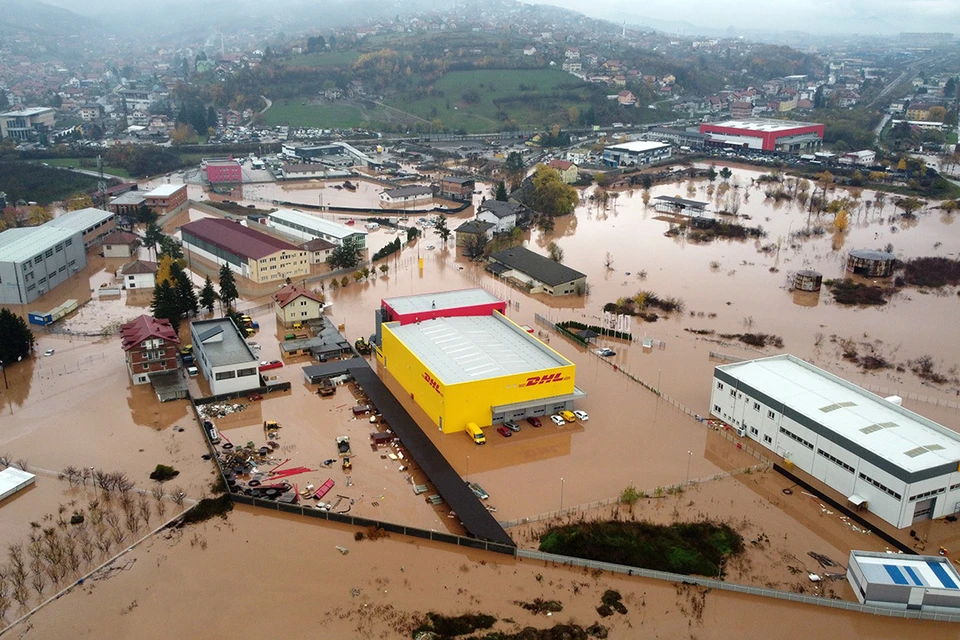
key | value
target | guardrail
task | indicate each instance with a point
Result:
(711, 583)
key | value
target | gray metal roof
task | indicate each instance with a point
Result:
(414, 190)
(81, 219)
(870, 254)
(440, 300)
(906, 439)
(316, 223)
(463, 349)
(683, 202)
(19, 245)
(129, 198)
(230, 349)
(501, 209)
(474, 226)
(537, 266)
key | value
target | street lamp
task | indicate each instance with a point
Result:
(689, 458)
(5, 385)
(468, 467)
(561, 494)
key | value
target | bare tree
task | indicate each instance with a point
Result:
(143, 505)
(608, 261)
(179, 495)
(158, 493)
(23, 463)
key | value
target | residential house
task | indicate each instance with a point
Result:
(504, 215)
(530, 51)
(539, 273)
(567, 170)
(473, 228)
(627, 99)
(139, 274)
(295, 304)
(223, 355)
(457, 187)
(119, 244)
(318, 249)
(919, 111)
(741, 109)
(150, 346)
(91, 112)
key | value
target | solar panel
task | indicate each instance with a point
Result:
(830, 407)
(913, 453)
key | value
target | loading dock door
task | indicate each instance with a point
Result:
(924, 509)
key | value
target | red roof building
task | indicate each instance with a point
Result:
(250, 253)
(151, 347)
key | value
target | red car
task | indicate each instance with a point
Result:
(535, 422)
(505, 432)
(271, 364)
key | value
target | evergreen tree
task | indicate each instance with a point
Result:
(207, 295)
(228, 287)
(501, 193)
(346, 255)
(152, 237)
(165, 305)
(440, 228)
(211, 117)
(170, 247)
(16, 338)
(187, 301)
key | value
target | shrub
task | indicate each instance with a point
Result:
(163, 473)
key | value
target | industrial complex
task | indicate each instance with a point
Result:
(881, 457)
(463, 361)
(765, 135)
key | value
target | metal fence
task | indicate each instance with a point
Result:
(711, 583)
(391, 527)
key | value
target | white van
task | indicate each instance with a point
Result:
(193, 372)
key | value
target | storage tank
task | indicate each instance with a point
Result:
(807, 280)
(876, 264)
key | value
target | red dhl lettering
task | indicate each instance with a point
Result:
(433, 383)
(550, 377)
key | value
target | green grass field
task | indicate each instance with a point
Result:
(74, 163)
(326, 59)
(526, 105)
(294, 113)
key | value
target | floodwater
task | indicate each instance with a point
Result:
(631, 437)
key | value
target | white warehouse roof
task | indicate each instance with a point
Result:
(164, 190)
(441, 300)
(637, 146)
(326, 227)
(19, 245)
(81, 219)
(933, 572)
(760, 124)
(906, 439)
(463, 349)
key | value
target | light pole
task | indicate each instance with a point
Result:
(5, 385)
(689, 458)
(561, 494)
(468, 467)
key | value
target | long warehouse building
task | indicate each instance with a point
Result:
(482, 368)
(247, 252)
(881, 457)
(766, 135)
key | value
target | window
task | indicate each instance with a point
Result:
(954, 487)
(927, 494)
(243, 373)
(48, 253)
(303, 303)
(839, 463)
(797, 438)
(720, 386)
(59, 248)
(68, 242)
(303, 314)
(882, 487)
(771, 415)
(146, 365)
(226, 375)
(716, 408)
(62, 269)
(767, 440)
(38, 260)
(733, 392)
(756, 406)
(754, 431)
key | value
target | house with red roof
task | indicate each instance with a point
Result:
(150, 346)
(120, 244)
(567, 170)
(296, 304)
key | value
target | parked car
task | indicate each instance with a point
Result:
(568, 416)
(581, 415)
(49, 352)
(266, 365)
(557, 420)
(535, 422)
(506, 433)
(513, 426)
(605, 352)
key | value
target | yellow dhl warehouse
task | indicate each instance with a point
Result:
(482, 369)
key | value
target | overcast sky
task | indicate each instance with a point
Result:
(808, 15)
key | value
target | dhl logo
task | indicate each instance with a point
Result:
(433, 383)
(536, 380)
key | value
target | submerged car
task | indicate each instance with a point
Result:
(605, 352)
(535, 422)
(506, 433)
(513, 426)
(581, 415)
(266, 365)
(557, 420)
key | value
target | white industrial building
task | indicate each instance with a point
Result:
(882, 457)
(636, 153)
(34, 260)
(308, 227)
(224, 356)
(924, 583)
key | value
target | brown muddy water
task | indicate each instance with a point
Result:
(78, 407)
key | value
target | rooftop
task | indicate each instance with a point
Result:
(165, 190)
(902, 437)
(403, 192)
(870, 254)
(315, 223)
(934, 572)
(26, 113)
(682, 202)
(537, 266)
(138, 266)
(81, 219)
(475, 226)
(457, 179)
(501, 209)
(467, 348)
(441, 300)
(637, 146)
(145, 327)
(236, 238)
(317, 244)
(130, 197)
(18, 245)
(290, 293)
(222, 343)
(763, 125)
(120, 237)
